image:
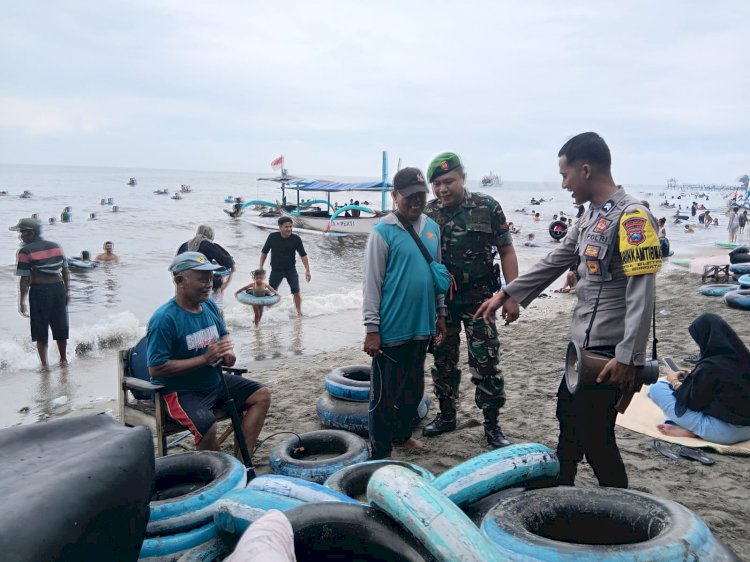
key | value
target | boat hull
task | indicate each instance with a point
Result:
(360, 226)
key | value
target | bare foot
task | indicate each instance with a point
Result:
(674, 430)
(63, 363)
(412, 443)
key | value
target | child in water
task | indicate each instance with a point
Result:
(258, 288)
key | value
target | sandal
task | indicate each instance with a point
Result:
(665, 449)
(695, 455)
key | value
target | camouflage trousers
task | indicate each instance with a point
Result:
(484, 359)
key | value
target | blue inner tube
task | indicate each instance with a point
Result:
(745, 281)
(267, 300)
(740, 268)
(353, 480)
(738, 299)
(299, 489)
(717, 289)
(597, 524)
(558, 230)
(80, 264)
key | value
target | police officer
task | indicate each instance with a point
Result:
(615, 248)
(471, 226)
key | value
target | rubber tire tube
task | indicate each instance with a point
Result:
(717, 289)
(347, 391)
(351, 531)
(431, 517)
(355, 416)
(353, 480)
(496, 470)
(299, 489)
(351, 375)
(187, 485)
(171, 545)
(555, 234)
(741, 268)
(605, 523)
(477, 510)
(351, 448)
(211, 551)
(239, 509)
(738, 299)
(744, 281)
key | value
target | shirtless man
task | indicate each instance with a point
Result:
(108, 255)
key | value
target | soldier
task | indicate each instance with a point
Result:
(471, 226)
(615, 249)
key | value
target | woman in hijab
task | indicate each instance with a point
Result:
(713, 400)
(203, 242)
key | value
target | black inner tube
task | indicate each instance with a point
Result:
(357, 374)
(354, 482)
(180, 475)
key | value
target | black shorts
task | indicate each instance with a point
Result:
(194, 410)
(291, 277)
(48, 308)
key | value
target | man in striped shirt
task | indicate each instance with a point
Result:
(43, 273)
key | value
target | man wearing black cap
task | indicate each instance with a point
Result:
(401, 312)
(471, 225)
(43, 274)
(186, 338)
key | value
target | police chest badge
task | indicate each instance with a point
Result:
(602, 225)
(639, 244)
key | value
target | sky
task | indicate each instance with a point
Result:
(231, 85)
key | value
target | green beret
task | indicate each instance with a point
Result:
(442, 164)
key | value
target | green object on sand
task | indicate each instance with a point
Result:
(729, 245)
(683, 262)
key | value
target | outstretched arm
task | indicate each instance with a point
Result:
(306, 263)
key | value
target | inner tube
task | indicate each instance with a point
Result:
(186, 487)
(353, 480)
(169, 546)
(569, 524)
(426, 513)
(355, 416)
(738, 299)
(350, 383)
(740, 268)
(496, 470)
(343, 531)
(80, 264)
(240, 508)
(267, 300)
(744, 281)
(717, 289)
(558, 230)
(337, 449)
(298, 489)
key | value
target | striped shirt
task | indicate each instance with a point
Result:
(40, 256)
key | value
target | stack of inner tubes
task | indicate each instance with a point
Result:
(345, 402)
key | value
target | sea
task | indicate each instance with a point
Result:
(110, 305)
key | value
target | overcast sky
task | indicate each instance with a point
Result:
(226, 85)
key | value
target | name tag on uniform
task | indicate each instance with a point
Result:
(639, 244)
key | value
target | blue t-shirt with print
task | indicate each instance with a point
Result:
(176, 333)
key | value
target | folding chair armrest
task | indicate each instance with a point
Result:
(134, 383)
(234, 370)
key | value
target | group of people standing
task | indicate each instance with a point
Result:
(611, 246)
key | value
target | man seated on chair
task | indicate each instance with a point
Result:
(187, 340)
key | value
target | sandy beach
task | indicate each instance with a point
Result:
(533, 350)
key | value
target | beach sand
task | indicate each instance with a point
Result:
(533, 350)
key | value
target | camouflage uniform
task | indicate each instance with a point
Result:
(469, 232)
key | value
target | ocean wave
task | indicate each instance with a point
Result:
(117, 330)
(241, 316)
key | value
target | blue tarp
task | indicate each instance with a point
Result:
(327, 186)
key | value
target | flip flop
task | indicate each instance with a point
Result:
(665, 449)
(695, 455)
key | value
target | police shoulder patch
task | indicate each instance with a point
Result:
(639, 244)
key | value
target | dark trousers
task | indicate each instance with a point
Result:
(397, 386)
(587, 427)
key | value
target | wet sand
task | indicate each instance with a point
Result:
(533, 350)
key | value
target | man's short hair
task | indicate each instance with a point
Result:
(259, 272)
(283, 220)
(107, 242)
(587, 147)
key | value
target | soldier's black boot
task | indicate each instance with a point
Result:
(494, 433)
(444, 422)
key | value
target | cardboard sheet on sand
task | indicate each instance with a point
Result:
(643, 416)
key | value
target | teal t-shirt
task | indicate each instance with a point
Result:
(175, 333)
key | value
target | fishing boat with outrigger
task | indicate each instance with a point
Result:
(491, 180)
(132, 181)
(320, 215)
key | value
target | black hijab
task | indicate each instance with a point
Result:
(719, 385)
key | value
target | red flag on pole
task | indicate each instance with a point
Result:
(277, 162)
